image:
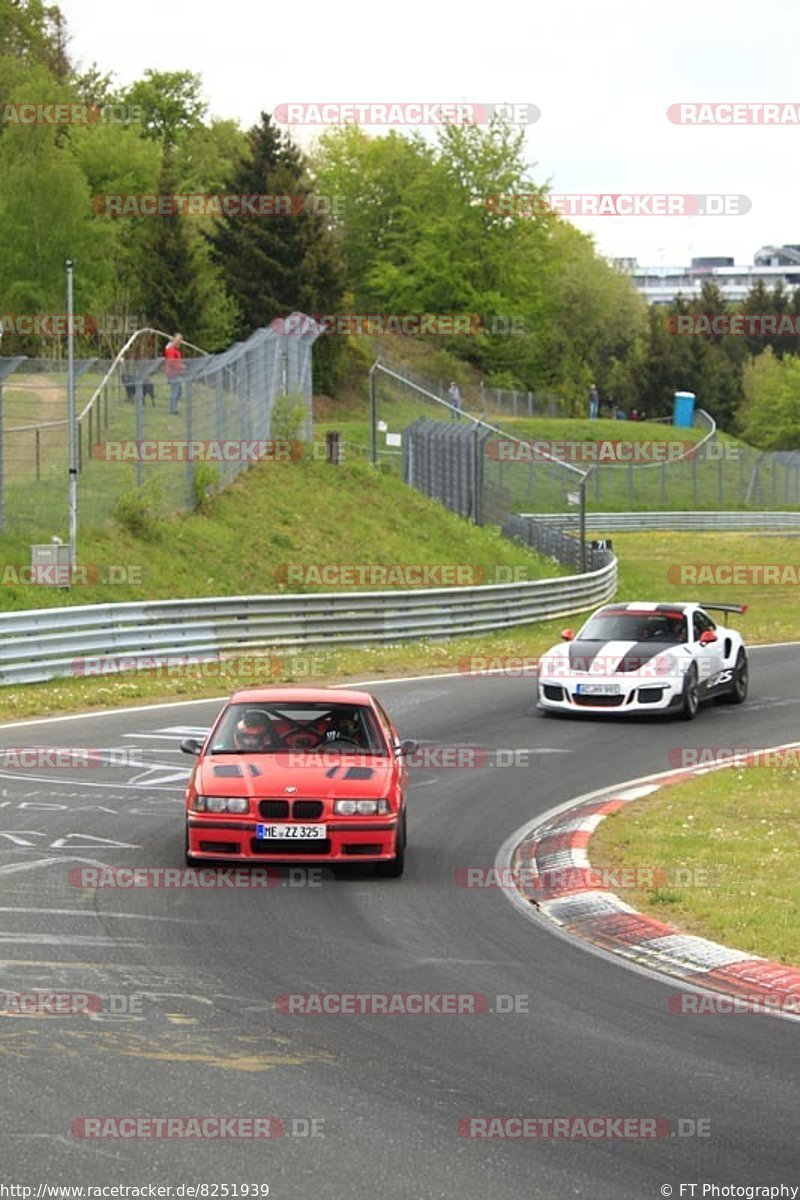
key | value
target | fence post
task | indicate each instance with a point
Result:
(582, 492)
(38, 456)
(189, 456)
(139, 430)
(373, 416)
(476, 476)
(2, 460)
(219, 409)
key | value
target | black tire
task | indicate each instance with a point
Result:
(690, 703)
(394, 868)
(737, 694)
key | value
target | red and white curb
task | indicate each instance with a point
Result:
(549, 863)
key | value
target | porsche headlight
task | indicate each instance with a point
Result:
(221, 804)
(360, 808)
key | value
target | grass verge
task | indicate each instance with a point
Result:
(741, 826)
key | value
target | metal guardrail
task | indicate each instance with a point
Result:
(42, 644)
(676, 522)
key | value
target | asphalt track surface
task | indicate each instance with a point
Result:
(387, 1091)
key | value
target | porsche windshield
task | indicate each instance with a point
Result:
(268, 728)
(631, 626)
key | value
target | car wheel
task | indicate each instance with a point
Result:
(394, 868)
(691, 695)
(738, 688)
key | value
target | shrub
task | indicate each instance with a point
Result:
(206, 479)
(139, 511)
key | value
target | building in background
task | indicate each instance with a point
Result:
(663, 285)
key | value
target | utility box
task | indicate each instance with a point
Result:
(50, 564)
(684, 410)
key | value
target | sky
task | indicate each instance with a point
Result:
(602, 75)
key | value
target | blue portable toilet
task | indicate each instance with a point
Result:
(684, 409)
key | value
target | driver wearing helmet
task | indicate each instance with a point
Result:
(254, 732)
(344, 726)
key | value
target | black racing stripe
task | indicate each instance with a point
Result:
(583, 654)
(639, 654)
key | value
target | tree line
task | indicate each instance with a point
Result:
(391, 224)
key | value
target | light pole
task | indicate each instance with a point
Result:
(72, 503)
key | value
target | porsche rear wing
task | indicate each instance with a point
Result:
(734, 608)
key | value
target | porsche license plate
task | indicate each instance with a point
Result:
(300, 833)
(598, 689)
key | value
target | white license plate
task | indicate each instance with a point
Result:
(598, 689)
(299, 833)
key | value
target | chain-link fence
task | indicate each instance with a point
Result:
(399, 387)
(518, 474)
(720, 474)
(133, 433)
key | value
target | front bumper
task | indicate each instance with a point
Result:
(228, 839)
(634, 694)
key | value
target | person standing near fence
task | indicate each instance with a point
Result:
(594, 402)
(174, 367)
(455, 395)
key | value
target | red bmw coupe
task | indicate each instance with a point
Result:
(299, 774)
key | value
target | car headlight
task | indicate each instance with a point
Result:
(360, 808)
(221, 804)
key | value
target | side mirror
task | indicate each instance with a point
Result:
(567, 635)
(409, 746)
(707, 637)
(191, 746)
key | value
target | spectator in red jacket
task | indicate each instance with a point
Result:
(174, 367)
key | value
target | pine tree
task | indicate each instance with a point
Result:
(172, 293)
(275, 265)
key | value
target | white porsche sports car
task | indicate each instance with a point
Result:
(645, 658)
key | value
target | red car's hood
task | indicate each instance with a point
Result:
(331, 776)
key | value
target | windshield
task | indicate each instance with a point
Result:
(627, 625)
(266, 728)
